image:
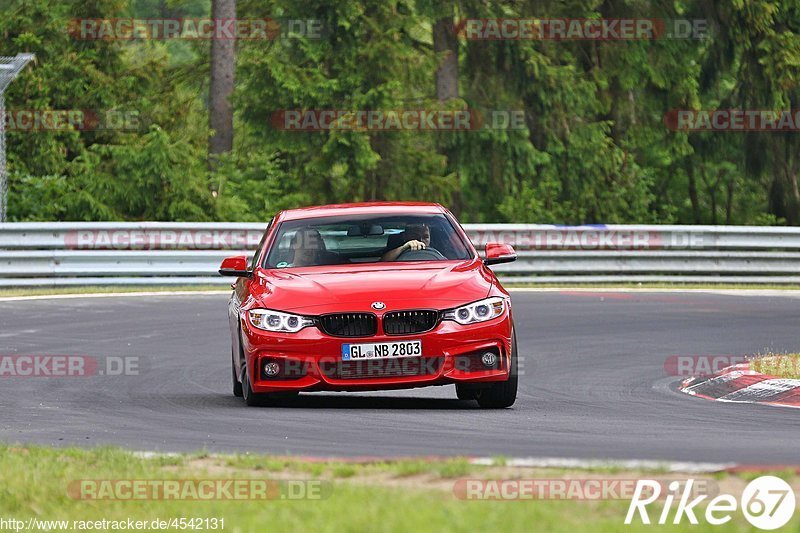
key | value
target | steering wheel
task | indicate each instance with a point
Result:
(421, 255)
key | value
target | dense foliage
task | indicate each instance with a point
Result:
(594, 149)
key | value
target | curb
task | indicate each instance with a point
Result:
(740, 384)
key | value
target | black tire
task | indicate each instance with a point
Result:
(503, 394)
(466, 392)
(288, 395)
(238, 390)
(251, 398)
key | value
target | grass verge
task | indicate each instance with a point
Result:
(377, 496)
(780, 366)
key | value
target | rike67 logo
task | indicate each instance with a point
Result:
(767, 502)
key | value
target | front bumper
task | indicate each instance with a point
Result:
(449, 354)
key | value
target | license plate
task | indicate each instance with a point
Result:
(381, 350)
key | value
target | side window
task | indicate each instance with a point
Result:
(260, 245)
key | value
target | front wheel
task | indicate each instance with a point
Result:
(238, 391)
(251, 398)
(466, 392)
(503, 394)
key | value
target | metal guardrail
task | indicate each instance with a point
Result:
(166, 253)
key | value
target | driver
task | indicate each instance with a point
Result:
(417, 237)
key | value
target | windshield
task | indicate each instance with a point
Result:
(365, 239)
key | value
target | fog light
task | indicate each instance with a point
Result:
(489, 359)
(272, 369)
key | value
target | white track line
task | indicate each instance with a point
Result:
(534, 462)
(584, 464)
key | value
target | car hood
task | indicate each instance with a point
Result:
(340, 288)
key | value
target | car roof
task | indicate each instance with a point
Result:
(363, 208)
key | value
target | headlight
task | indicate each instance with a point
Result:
(269, 320)
(479, 311)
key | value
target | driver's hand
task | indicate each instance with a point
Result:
(414, 245)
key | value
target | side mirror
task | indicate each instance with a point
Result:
(497, 253)
(235, 266)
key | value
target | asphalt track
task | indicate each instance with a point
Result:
(593, 384)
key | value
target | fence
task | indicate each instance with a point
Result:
(164, 253)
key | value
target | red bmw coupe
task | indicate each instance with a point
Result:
(371, 296)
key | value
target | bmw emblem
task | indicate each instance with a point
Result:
(378, 306)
